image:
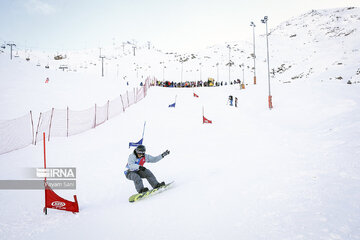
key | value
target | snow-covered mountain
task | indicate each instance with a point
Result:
(320, 45)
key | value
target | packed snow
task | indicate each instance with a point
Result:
(292, 172)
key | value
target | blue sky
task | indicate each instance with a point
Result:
(168, 24)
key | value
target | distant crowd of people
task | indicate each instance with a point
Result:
(194, 83)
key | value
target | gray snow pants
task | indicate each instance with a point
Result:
(137, 176)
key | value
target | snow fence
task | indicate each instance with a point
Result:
(16, 133)
(19, 133)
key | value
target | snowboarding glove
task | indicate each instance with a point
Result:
(167, 152)
(141, 168)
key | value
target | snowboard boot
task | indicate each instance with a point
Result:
(144, 190)
(160, 185)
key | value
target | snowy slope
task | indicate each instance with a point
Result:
(289, 173)
(320, 45)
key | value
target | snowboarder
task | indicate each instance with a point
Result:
(136, 171)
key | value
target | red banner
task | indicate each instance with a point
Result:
(52, 200)
(195, 95)
(205, 120)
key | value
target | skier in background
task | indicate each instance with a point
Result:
(136, 170)
(236, 101)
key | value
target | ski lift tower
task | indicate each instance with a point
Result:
(102, 65)
(11, 47)
(252, 24)
(267, 47)
(229, 47)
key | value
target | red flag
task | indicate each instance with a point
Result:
(52, 200)
(195, 95)
(205, 120)
(55, 201)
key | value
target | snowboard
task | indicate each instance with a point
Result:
(139, 196)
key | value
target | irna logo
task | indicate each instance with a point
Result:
(56, 172)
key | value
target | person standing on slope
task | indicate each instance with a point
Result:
(136, 171)
(230, 100)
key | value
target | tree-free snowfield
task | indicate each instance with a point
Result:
(288, 173)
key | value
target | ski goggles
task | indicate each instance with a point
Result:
(140, 154)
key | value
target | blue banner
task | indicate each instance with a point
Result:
(132, 144)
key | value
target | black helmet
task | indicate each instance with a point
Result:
(140, 149)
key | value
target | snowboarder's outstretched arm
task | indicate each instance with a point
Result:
(133, 161)
(152, 159)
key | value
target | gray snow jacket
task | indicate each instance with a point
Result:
(134, 163)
